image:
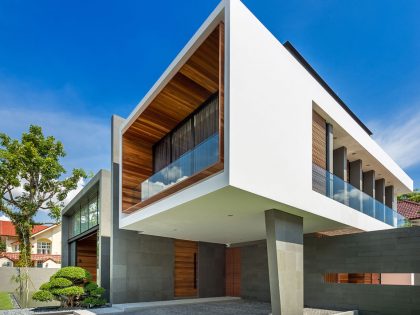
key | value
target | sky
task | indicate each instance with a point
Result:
(69, 65)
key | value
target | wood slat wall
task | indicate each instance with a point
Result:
(185, 273)
(199, 78)
(361, 278)
(319, 140)
(233, 271)
(86, 255)
(319, 152)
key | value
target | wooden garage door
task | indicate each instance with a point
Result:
(233, 271)
(86, 254)
(186, 259)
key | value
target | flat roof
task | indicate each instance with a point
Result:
(324, 84)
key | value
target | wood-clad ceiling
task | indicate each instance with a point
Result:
(194, 83)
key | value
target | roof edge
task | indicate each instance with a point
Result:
(293, 51)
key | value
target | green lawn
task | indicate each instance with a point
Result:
(5, 302)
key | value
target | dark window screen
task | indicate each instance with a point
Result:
(196, 128)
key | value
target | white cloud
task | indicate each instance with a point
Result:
(400, 137)
(73, 193)
(61, 113)
(4, 218)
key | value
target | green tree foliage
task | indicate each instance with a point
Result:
(414, 196)
(71, 286)
(31, 179)
(2, 246)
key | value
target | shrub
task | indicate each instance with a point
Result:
(59, 283)
(91, 301)
(69, 291)
(43, 296)
(72, 287)
(45, 286)
(73, 273)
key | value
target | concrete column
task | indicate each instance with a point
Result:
(340, 163)
(330, 160)
(380, 196)
(356, 180)
(65, 222)
(340, 170)
(389, 197)
(115, 270)
(369, 183)
(369, 189)
(356, 174)
(330, 148)
(285, 261)
(380, 190)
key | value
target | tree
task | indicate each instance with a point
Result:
(2, 246)
(71, 286)
(30, 180)
(413, 196)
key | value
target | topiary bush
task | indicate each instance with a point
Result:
(43, 296)
(72, 286)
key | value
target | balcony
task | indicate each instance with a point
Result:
(335, 188)
(190, 163)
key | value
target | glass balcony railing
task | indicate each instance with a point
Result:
(199, 158)
(335, 188)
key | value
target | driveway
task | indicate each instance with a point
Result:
(242, 307)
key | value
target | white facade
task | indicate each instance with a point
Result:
(269, 99)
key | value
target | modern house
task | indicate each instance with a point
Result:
(45, 241)
(86, 229)
(238, 150)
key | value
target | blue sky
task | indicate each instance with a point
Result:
(70, 65)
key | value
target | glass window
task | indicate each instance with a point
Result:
(93, 212)
(87, 215)
(76, 223)
(44, 247)
(84, 218)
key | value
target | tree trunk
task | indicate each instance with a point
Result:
(23, 230)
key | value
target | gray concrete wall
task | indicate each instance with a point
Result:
(65, 251)
(389, 251)
(142, 266)
(255, 283)
(38, 276)
(211, 269)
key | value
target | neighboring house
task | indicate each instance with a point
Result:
(410, 210)
(45, 242)
(237, 151)
(86, 224)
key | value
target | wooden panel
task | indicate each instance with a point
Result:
(86, 255)
(199, 78)
(186, 262)
(233, 271)
(319, 138)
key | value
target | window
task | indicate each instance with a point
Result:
(86, 216)
(44, 247)
(39, 264)
(16, 248)
(93, 211)
(84, 222)
(76, 223)
(195, 129)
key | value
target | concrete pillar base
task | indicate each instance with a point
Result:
(285, 261)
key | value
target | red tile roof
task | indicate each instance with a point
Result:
(8, 229)
(34, 257)
(409, 209)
